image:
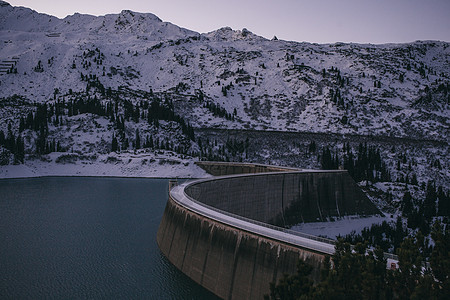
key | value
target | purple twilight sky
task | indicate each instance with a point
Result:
(316, 21)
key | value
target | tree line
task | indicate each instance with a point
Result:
(361, 272)
(366, 164)
(13, 145)
(150, 109)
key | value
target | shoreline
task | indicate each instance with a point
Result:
(87, 176)
(125, 166)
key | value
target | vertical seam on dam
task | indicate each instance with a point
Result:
(185, 247)
(254, 267)
(319, 192)
(275, 270)
(235, 260)
(207, 252)
(171, 242)
(282, 201)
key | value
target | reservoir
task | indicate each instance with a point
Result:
(86, 237)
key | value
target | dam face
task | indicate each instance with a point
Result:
(232, 263)
(220, 231)
(285, 199)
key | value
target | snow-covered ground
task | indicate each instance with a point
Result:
(164, 165)
(340, 227)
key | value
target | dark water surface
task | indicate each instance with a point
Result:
(84, 237)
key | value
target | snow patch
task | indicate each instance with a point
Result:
(339, 227)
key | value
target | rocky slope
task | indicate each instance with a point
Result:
(395, 90)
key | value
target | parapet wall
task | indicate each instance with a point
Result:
(224, 168)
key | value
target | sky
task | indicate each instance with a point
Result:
(315, 21)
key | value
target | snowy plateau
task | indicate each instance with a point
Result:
(130, 95)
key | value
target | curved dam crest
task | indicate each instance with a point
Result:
(221, 232)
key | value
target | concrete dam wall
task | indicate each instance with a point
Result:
(231, 263)
(220, 231)
(285, 199)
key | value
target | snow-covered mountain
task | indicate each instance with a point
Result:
(395, 89)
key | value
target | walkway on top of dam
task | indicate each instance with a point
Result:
(310, 242)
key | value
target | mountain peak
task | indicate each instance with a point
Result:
(132, 14)
(227, 33)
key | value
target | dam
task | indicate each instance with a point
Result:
(230, 233)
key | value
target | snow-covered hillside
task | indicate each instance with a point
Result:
(395, 90)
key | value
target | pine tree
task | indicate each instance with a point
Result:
(407, 205)
(410, 263)
(326, 160)
(443, 204)
(125, 144)
(114, 144)
(429, 204)
(137, 140)
(440, 260)
(295, 286)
